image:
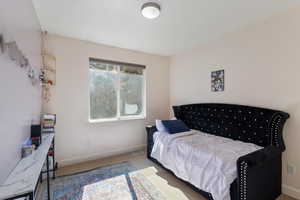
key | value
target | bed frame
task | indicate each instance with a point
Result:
(259, 173)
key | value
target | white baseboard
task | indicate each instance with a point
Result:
(291, 191)
(80, 159)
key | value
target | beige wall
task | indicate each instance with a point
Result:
(76, 138)
(262, 68)
(20, 101)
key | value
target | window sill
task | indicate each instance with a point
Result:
(93, 121)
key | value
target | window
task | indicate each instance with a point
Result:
(117, 90)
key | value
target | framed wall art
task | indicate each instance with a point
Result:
(217, 81)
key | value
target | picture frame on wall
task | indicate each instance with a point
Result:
(218, 80)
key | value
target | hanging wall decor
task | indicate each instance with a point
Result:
(17, 56)
(31, 75)
(42, 76)
(48, 71)
(24, 62)
(13, 50)
(217, 81)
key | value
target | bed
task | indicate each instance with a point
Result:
(257, 170)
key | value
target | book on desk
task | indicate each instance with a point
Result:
(48, 122)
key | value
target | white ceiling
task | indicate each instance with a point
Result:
(183, 24)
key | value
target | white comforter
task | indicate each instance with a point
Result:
(206, 161)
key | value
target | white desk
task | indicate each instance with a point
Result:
(23, 179)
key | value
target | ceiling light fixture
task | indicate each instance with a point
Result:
(150, 10)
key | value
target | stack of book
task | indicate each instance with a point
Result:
(48, 123)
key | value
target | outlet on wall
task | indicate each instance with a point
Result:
(291, 169)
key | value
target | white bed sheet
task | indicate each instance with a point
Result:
(206, 161)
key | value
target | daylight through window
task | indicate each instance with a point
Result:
(117, 90)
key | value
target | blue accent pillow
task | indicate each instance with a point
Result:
(175, 126)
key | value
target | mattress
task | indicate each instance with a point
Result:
(206, 161)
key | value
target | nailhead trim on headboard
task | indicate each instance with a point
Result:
(260, 126)
(243, 180)
(276, 131)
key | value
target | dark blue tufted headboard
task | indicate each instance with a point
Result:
(260, 126)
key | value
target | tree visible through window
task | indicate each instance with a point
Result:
(116, 90)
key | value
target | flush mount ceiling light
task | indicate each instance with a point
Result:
(150, 10)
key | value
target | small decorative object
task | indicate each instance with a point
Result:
(19, 57)
(30, 73)
(24, 62)
(217, 81)
(27, 150)
(12, 50)
(46, 92)
(42, 76)
(49, 82)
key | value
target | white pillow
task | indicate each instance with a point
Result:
(159, 126)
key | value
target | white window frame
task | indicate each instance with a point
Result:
(119, 117)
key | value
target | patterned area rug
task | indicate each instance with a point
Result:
(113, 182)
